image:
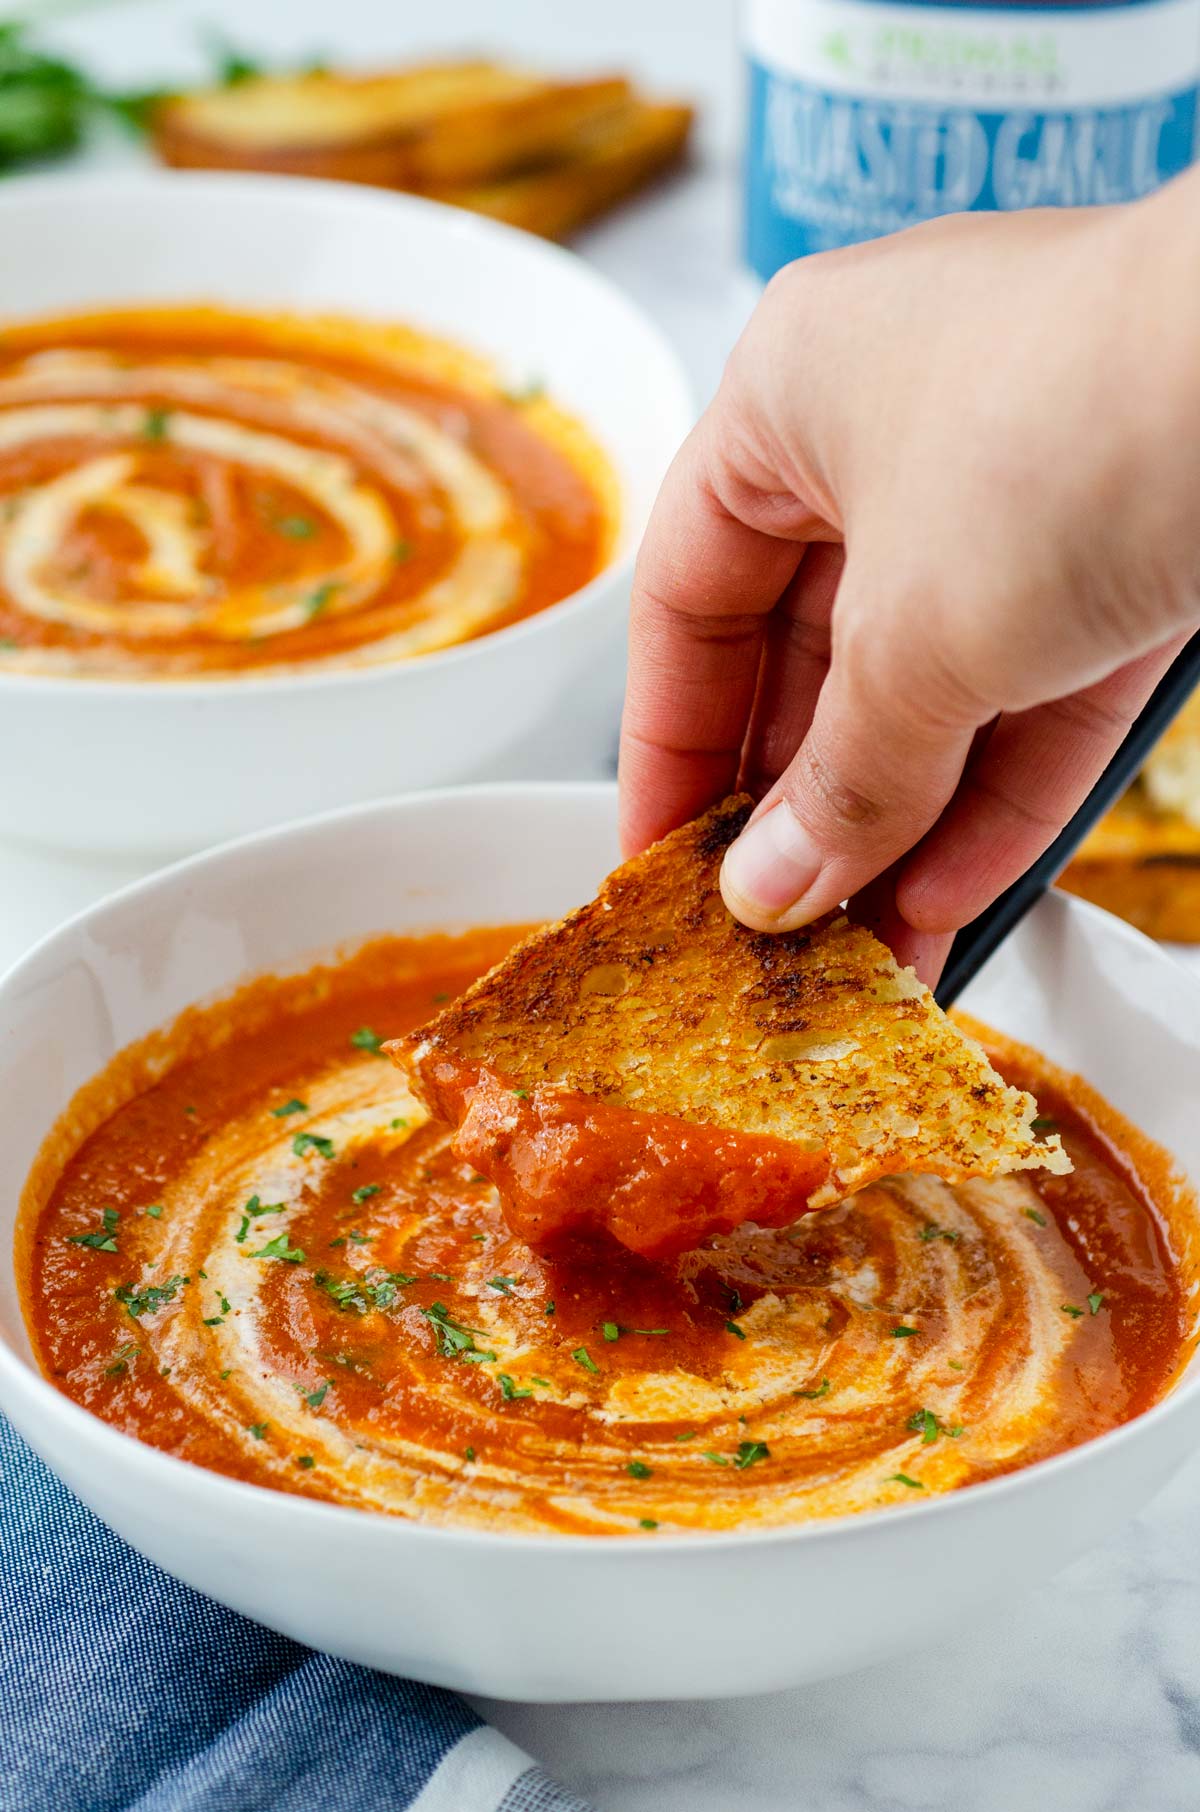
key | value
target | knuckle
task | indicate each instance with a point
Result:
(812, 781)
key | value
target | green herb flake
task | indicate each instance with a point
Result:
(1043, 1124)
(1069, 1308)
(902, 1478)
(1095, 1301)
(503, 1284)
(822, 1390)
(305, 1461)
(731, 1327)
(367, 1040)
(214, 1321)
(401, 551)
(468, 1454)
(749, 1453)
(582, 1357)
(296, 528)
(155, 425)
(956, 1365)
(397, 1123)
(1031, 1214)
(316, 601)
(510, 1391)
(223, 1375)
(154, 1211)
(689, 1434)
(149, 1299)
(647, 1522)
(259, 1430)
(926, 1424)
(307, 1141)
(119, 1364)
(294, 1106)
(904, 1333)
(454, 1341)
(279, 1248)
(611, 1330)
(715, 1459)
(365, 1191)
(102, 1238)
(638, 1469)
(522, 1094)
(549, 1309)
(315, 1398)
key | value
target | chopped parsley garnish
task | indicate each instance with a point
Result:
(926, 1424)
(224, 1302)
(454, 1341)
(647, 1522)
(155, 425)
(731, 1327)
(394, 1125)
(305, 1460)
(717, 1459)
(101, 1239)
(904, 1333)
(401, 551)
(360, 1239)
(296, 528)
(346, 1292)
(522, 1094)
(259, 1430)
(154, 1211)
(1069, 1308)
(638, 1469)
(931, 1230)
(1095, 1301)
(251, 1212)
(509, 1390)
(1043, 1123)
(334, 1244)
(503, 1284)
(149, 1299)
(749, 1452)
(544, 1382)
(294, 1106)
(956, 1365)
(214, 1321)
(1031, 1214)
(581, 1356)
(279, 1248)
(468, 1453)
(367, 1040)
(610, 1330)
(440, 999)
(549, 1309)
(822, 1390)
(689, 1434)
(315, 1398)
(307, 1141)
(365, 1191)
(902, 1478)
(316, 601)
(119, 1363)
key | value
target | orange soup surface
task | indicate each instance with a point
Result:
(189, 491)
(248, 1245)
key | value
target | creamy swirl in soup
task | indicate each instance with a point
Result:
(248, 1245)
(189, 492)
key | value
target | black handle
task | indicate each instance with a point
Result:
(977, 941)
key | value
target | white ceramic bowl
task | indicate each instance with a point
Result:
(172, 766)
(570, 1617)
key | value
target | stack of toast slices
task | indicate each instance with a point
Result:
(539, 153)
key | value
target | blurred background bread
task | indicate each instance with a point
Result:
(520, 146)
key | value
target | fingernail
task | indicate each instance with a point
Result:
(771, 866)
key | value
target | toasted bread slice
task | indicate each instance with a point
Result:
(651, 1067)
(605, 161)
(1143, 865)
(413, 128)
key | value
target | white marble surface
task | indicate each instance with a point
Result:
(1085, 1696)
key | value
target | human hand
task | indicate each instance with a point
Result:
(923, 560)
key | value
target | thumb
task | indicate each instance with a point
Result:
(884, 754)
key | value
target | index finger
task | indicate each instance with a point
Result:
(705, 584)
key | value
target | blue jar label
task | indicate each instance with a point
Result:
(866, 116)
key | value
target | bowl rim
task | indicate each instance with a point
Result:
(21, 1378)
(36, 190)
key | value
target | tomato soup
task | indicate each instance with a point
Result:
(247, 1244)
(189, 492)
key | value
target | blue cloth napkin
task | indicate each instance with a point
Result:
(123, 1691)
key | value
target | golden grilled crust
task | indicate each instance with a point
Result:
(511, 143)
(652, 997)
(1144, 866)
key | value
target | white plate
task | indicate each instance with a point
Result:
(541, 1617)
(169, 766)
